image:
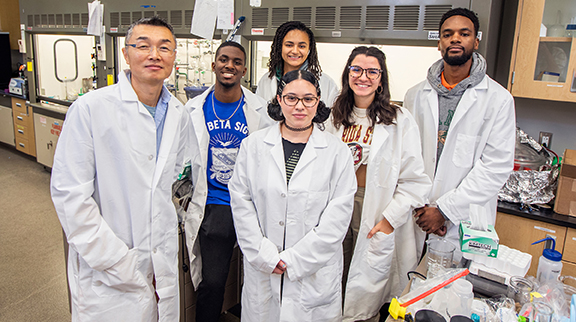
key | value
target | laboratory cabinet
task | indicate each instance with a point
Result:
(519, 233)
(23, 126)
(48, 120)
(6, 120)
(543, 58)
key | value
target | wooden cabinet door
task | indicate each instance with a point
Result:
(534, 56)
(519, 233)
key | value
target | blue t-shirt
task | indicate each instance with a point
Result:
(227, 130)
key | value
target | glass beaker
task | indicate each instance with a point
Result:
(519, 289)
(440, 254)
(537, 312)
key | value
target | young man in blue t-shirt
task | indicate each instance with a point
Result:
(221, 117)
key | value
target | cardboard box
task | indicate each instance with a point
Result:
(566, 194)
(477, 241)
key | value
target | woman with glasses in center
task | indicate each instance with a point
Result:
(383, 242)
(291, 195)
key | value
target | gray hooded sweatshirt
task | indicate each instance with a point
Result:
(448, 99)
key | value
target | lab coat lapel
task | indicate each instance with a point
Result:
(309, 154)
(469, 98)
(252, 115)
(198, 122)
(432, 103)
(378, 138)
(274, 138)
(168, 137)
(128, 94)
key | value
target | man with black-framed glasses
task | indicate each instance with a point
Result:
(120, 150)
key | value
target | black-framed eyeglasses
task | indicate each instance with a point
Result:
(146, 49)
(307, 101)
(371, 73)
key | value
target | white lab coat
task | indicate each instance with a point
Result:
(112, 194)
(302, 223)
(478, 154)
(395, 185)
(256, 113)
(329, 91)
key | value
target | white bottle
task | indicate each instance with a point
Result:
(550, 263)
(460, 300)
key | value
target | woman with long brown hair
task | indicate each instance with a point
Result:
(383, 242)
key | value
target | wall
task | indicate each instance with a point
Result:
(407, 65)
(558, 118)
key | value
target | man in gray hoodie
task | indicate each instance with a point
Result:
(467, 125)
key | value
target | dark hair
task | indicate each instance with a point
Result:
(464, 13)
(274, 109)
(231, 44)
(276, 61)
(380, 110)
(150, 21)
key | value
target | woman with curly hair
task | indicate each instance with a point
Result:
(382, 243)
(294, 48)
(291, 195)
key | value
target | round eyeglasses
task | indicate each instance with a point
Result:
(147, 49)
(371, 73)
(307, 101)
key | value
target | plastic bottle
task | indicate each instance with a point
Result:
(550, 263)
(460, 299)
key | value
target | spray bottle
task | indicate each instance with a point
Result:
(550, 263)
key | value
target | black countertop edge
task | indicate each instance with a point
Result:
(14, 95)
(544, 215)
(47, 110)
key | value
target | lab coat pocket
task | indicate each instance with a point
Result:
(380, 251)
(120, 278)
(464, 151)
(315, 205)
(323, 287)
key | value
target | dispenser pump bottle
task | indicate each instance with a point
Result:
(550, 263)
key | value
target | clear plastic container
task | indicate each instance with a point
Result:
(550, 263)
(460, 299)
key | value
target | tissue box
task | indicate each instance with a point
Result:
(478, 242)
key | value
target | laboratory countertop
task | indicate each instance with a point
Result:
(541, 214)
(50, 109)
(13, 95)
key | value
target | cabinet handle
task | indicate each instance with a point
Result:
(49, 145)
(20, 118)
(545, 229)
(22, 145)
(18, 104)
(20, 131)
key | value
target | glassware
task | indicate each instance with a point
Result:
(440, 255)
(519, 289)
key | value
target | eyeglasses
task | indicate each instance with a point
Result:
(371, 73)
(307, 101)
(147, 49)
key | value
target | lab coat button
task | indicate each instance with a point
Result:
(150, 276)
(283, 195)
(154, 250)
(281, 223)
(150, 157)
(97, 283)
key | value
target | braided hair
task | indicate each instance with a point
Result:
(277, 63)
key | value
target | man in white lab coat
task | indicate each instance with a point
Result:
(467, 126)
(119, 153)
(221, 118)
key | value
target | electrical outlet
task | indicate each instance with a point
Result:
(545, 139)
